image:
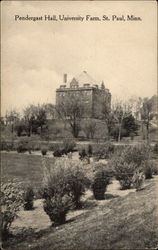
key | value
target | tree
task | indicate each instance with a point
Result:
(120, 111)
(50, 110)
(147, 113)
(130, 125)
(35, 117)
(89, 128)
(70, 110)
(12, 117)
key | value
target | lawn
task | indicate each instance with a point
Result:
(24, 168)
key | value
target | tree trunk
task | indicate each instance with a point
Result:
(119, 135)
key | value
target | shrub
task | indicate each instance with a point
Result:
(44, 150)
(82, 153)
(124, 174)
(126, 161)
(136, 154)
(138, 179)
(11, 201)
(104, 151)
(77, 181)
(68, 145)
(28, 198)
(90, 150)
(6, 145)
(57, 153)
(155, 149)
(148, 168)
(100, 182)
(57, 207)
(63, 186)
(22, 146)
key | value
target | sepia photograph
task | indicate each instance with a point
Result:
(79, 125)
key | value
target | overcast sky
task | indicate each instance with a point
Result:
(35, 55)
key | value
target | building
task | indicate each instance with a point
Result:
(94, 95)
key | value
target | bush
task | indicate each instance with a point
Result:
(57, 207)
(155, 149)
(100, 182)
(148, 169)
(104, 151)
(77, 181)
(138, 179)
(28, 198)
(90, 150)
(11, 201)
(124, 174)
(44, 150)
(127, 161)
(82, 153)
(69, 145)
(58, 153)
(22, 146)
(64, 184)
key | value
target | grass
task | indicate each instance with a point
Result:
(22, 167)
(128, 222)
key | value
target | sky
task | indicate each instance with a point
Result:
(35, 55)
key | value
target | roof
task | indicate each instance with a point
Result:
(84, 78)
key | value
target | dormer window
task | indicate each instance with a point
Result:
(74, 83)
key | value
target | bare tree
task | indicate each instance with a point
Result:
(120, 111)
(71, 110)
(147, 113)
(89, 127)
(35, 117)
(12, 117)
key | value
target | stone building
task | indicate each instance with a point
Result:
(94, 95)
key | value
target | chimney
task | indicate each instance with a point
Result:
(65, 78)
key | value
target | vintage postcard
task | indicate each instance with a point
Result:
(79, 125)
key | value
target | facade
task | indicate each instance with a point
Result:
(88, 90)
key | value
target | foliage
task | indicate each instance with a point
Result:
(57, 207)
(104, 151)
(155, 149)
(58, 153)
(22, 145)
(127, 161)
(11, 201)
(77, 181)
(148, 169)
(130, 126)
(124, 174)
(89, 128)
(6, 145)
(120, 111)
(71, 110)
(68, 145)
(138, 179)
(147, 113)
(100, 182)
(44, 150)
(64, 183)
(28, 198)
(90, 150)
(82, 153)
(34, 117)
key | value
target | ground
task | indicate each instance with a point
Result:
(124, 220)
(119, 222)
